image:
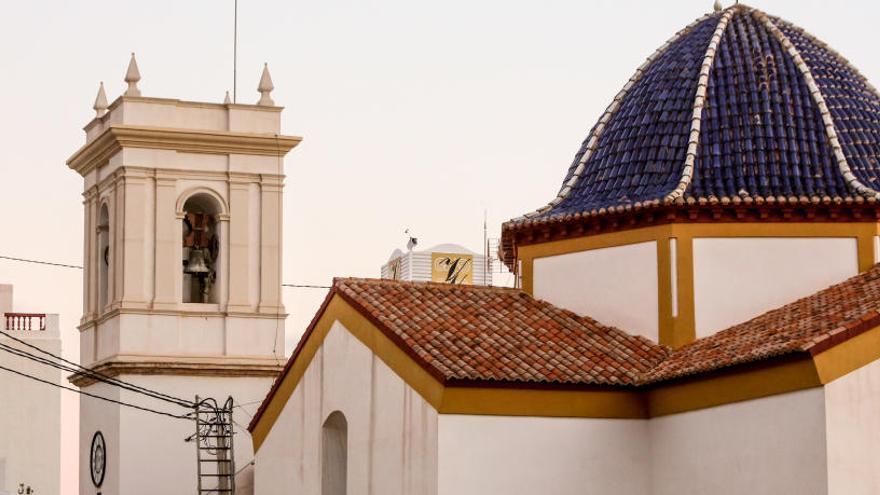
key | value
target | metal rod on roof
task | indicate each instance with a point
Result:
(485, 250)
(235, 51)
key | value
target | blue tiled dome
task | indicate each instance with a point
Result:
(737, 106)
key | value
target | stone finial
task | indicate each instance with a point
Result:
(132, 76)
(718, 7)
(227, 100)
(265, 88)
(100, 105)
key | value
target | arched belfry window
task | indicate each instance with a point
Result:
(334, 455)
(103, 257)
(201, 248)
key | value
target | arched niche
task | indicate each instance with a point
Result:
(334, 455)
(200, 212)
(104, 257)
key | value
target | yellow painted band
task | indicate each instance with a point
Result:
(734, 386)
(848, 356)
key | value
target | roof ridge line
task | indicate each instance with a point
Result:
(849, 177)
(687, 171)
(840, 58)
(593, 139)
(424, 283)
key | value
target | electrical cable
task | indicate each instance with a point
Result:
(39, 262)
(77, 267)
(94, 396)
(104, 378)
(69, 369)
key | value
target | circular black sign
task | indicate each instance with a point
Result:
(98, 459)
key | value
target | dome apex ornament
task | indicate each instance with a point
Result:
(265, 88)
(100, 105)
(718, 7)
(132, 76)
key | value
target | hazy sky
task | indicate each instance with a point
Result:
(414, 114)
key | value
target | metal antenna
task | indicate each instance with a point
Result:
(235, 52)
(485, 250)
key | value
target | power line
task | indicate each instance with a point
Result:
(77, 368)
(78, 267)
(81, 392)
(99, 376)
(40, 262)
(26, 355)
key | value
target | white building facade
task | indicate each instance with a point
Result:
(30, 411)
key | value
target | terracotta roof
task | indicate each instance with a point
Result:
(811, 324)
(467, 334)
(471, 333)
(492, 334)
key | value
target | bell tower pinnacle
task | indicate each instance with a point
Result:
(182, 280)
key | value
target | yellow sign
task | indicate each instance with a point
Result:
(452, 268)
(395, 268)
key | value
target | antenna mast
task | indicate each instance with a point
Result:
(235, 51)
(485, 250)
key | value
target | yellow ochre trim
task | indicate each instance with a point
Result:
(611, 403)
(680, 330)
(848, 356)
(737, 386)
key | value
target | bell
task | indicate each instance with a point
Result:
(196, 265)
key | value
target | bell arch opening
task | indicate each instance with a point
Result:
(334, 455)
(200, 249)
(103, 257)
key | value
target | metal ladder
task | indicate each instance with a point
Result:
(214, 446)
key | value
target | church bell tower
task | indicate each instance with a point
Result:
(181, 287)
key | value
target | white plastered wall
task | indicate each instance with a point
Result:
(853, 421)
(146, 453)
(617, 285)
(392, 431)
(767, 446)
(736, 279)
(526, 456)
(30, 415)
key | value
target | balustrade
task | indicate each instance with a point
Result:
(26, 321)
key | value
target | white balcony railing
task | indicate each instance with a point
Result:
(26, 322)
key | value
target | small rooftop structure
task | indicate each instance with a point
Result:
(448, 263)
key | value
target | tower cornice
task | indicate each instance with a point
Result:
(119, 136)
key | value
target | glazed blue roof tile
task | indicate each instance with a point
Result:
(761, 131)
(853, 103)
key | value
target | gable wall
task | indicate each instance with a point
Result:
(392, 430)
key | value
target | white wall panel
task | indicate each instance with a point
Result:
(853, 420)
(737, 279)
(527, 456)
(616, 285)
(765, 446)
